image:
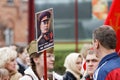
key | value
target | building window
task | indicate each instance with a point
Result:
(8, 36)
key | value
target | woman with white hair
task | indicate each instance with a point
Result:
(73, 65)
(8, 61)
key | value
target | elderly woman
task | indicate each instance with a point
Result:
(8, 61)
(73, 65)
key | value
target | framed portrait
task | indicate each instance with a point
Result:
(44, 29)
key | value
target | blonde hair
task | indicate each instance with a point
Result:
(6, 54)
(84, 50)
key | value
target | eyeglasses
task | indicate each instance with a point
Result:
(45, 21)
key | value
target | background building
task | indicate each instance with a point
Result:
(14, 26)
(13, 22)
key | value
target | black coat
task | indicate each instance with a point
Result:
(21, 69)
(45, 41)
(69, 76)
(87, 77)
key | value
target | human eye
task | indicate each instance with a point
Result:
(12, 60)
(94, 60)
(87, 61)
(50, 55)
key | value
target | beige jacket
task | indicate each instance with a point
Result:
(15, 76)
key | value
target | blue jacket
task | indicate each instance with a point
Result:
(108, 68)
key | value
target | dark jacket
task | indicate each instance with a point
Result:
(21, 68)
(69, 76)
(45, 41)
(87, 77)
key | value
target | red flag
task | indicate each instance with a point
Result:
(113, 19)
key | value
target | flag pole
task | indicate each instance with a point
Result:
(45, 66)
(76, 25)
(31, 21)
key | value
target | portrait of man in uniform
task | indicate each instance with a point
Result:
(44, 29)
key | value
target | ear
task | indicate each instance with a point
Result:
(96, 44)
(36, 60)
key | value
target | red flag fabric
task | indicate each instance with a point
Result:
(113, 19)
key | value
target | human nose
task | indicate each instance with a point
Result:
(90, 63)
(14, 62)
(53, 57)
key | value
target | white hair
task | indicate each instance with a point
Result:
(6, 54)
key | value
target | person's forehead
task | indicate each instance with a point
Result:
(91, 56)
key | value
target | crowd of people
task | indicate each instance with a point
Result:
(97, 61)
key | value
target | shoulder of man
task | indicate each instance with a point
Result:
(110, 70)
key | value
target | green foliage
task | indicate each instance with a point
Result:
(59, 60)
(61, 51)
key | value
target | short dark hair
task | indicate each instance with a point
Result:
(106, 36)
(20, 49)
